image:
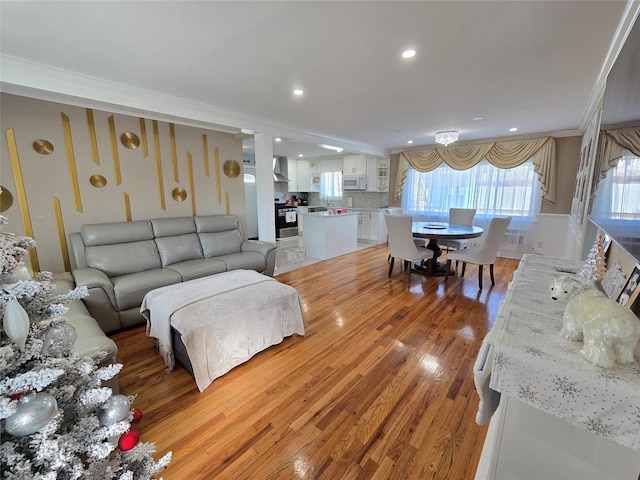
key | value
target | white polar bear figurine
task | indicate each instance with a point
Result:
(610, 331)
(563, 287)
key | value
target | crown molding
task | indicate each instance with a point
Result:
(44, 82)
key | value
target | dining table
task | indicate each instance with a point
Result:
(434, 231)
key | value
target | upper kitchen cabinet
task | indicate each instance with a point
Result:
(377, 174)
(299, 175)
(292, 174)
(314, 176)
(352, 164)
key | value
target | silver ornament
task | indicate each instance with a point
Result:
(16, 323)
(58, 339)
(114, 410)
(34, 411)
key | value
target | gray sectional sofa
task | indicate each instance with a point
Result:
(120, 262)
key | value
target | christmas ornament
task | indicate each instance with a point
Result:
(595, 267)
(137, 416)
(58, 339)
(16, 323)
(128, 440)
(34, 411)
(114, 410)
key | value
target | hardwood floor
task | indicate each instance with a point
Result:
(380, 387)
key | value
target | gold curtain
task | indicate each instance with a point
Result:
(610, 146)
(500, 154)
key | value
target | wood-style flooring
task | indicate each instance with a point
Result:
(379, 387)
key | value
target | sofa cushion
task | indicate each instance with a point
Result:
(170, 227)
(130, 289)
(116, 233)
(179, 248)
(124, 258)
(221, 243)
(198, 268)
(246, 261)
(216, 223)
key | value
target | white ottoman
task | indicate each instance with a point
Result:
(221, 321)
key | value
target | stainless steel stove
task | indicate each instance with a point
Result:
(286, 220)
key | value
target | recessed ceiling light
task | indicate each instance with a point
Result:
(477, 118)
(278, 139)
(300, 155)
(409, 53)
(409, 141)
(298, 91)
(513, 129)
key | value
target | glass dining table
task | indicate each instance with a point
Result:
(434, 231)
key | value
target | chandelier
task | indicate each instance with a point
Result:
(447, 137)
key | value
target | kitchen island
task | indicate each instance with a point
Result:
(328, 234)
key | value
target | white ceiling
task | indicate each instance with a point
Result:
(526, 64)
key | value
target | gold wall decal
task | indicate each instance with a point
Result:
(114, 150)
(174, 152)
(227, 207)
(231, 168)
(130, 140)
(216, 164)
(179, 194)
(92, 136)
(43, 147)
(156, 141)
(192, 185)
(205, 152)
(127, 207)
(143, 138)
(6, 199)
(22, 195)
(62, 236)
(71, 159)
(98, 181)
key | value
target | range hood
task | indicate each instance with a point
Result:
(278, 163)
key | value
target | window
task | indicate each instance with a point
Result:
(618, 195)
(249, 178)
(492, 191)
(331, 179)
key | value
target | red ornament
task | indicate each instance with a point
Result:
(128, 440)
(137, 416)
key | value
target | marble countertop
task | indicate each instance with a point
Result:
(329, 213)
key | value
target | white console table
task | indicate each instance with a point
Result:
(559, 417)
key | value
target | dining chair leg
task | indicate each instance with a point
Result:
(493, 282)
(408, 266)
(391, 265)
(464, 265)
(480, 276)
(446, 272)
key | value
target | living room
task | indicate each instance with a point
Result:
(381, 384)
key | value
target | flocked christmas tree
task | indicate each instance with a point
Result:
(594, 266)
(58, 420)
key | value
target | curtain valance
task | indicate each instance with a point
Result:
(501, 154)
(610, 146)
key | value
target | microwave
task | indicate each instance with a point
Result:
(354, 182)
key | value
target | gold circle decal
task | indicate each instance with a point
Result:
(179, 194)
(130, 140)
(98, 181)
(6, 199)
(44, 147)
(231, 168)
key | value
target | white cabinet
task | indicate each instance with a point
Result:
(372, 227)
(304, 175)
(352, 164)
(314, 175)
(292, 174)
(377, 174)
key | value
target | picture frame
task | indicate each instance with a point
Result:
(631, 289)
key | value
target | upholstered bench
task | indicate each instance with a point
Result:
(220, 321)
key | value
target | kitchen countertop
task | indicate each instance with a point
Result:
(329, 214)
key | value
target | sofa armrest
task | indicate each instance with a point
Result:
(265, 248)
(94, 278)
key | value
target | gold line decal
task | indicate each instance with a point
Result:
(216, 157)
(114, 150)
(156, 141)
(127, 207)
(143, 138)
(226, 202)
(205, 151)
(22, 195)
(191, 183)
(174, 153)
(62, 236)
(92, 136)
(73, 172)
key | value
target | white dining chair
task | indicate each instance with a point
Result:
(459, 216)
(486, 253)
(420, 242)
(402, 244)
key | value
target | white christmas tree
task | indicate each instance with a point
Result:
(594, 266)
(58, 420)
